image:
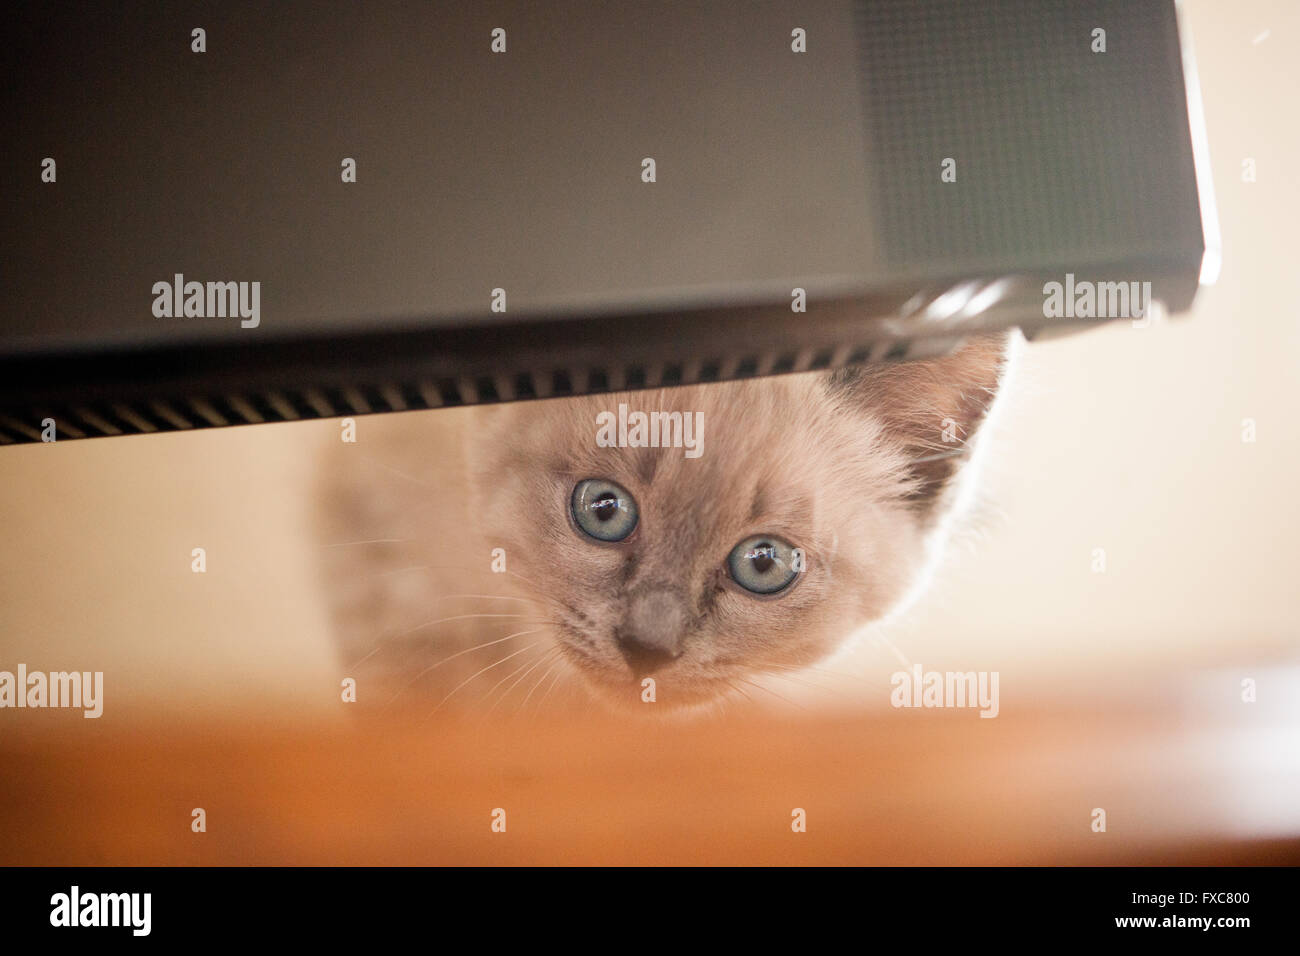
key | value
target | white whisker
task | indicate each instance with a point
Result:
(457, 617)
(823, 688)
(541, 660)
(461, 567)
(476, 647)
(486, 597)
(477, 673)
(772, 692)
(493, 688)
(883, 641)
(348, 544)
(400, 474)
(558, 663)
(739, 691)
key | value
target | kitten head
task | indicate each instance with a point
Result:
(810, 510)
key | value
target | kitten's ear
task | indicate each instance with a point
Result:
(931, 407)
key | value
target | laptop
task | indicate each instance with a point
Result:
(261, 213)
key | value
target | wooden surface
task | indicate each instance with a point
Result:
(893, 787)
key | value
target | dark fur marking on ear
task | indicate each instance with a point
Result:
(931, 407)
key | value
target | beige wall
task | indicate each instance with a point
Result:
(1130, 439)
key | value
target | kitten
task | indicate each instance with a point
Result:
(816, 507)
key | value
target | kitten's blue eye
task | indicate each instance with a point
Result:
(763, 564)
(603, 510)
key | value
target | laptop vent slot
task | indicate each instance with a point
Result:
(196, 412)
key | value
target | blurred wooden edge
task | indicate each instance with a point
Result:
(896, 788)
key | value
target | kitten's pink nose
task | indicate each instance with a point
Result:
(651, 635)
